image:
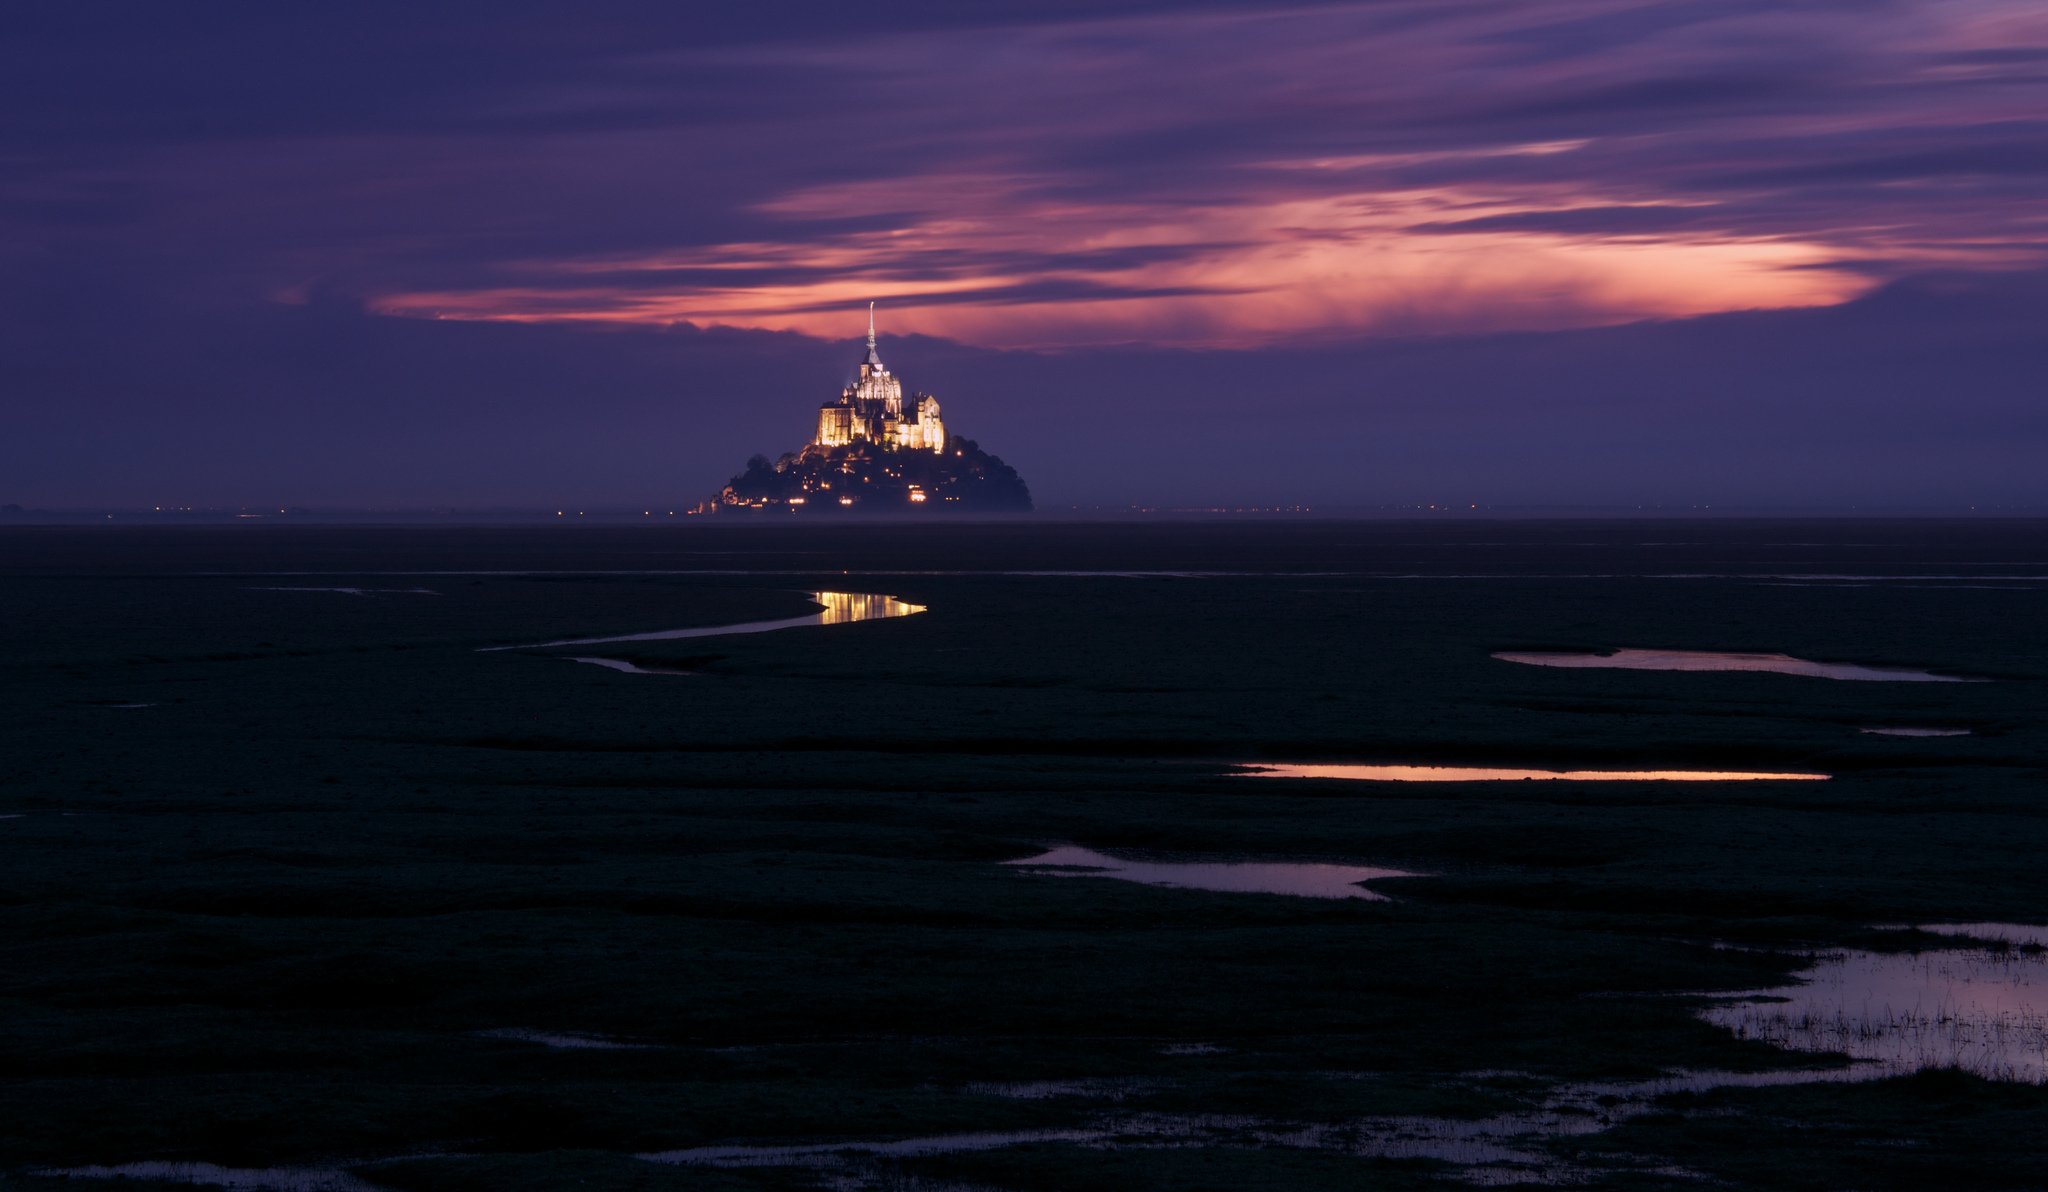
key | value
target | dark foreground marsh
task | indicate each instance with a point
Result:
(314, 888)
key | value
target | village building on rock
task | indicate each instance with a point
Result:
(877, 452)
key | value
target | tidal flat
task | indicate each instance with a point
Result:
(361, 901)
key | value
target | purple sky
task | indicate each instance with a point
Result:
(1544, 251)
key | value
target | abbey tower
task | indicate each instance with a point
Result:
(872, 410)
(877, 452)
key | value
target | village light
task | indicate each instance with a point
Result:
(876, 427)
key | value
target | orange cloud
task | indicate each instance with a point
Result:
(1003, 265)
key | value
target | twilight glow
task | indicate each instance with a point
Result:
(1238, 178)
(1362, 254)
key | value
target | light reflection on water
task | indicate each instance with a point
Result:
(1505, 774)
(628, 667)
(358, 591)
(1300, 879)
(1717, 660)
(1401, 1138)
(1507, 1148)
(832, 1152)
(840, 608)
(564, 1040)
(252, 1179)
(1098, 1088)
(2017, 935)
(1965, 1006)
(1916, 732)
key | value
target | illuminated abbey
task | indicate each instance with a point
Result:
(877, 451)
(872, 410)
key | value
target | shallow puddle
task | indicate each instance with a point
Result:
(632, 668)
(1508, 1148)
(1389, 1138)
(1712, 660)
(1300, 879)
(1980, 1009)
(1507, 774)
(831, 1152)
(254, 1179)
(565, 1041)
(358, 591)
(841, 608)
(1916, 732)
(1101, 1088)
(2016, 935)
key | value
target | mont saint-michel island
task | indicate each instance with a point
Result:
(878, 452)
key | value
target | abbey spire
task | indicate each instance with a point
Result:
(873, 360)
(873, 409)
(880, 448)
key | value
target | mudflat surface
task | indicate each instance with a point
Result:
(344, 893)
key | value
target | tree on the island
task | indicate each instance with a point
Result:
(962, 477)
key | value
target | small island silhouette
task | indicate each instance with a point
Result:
(877, 453)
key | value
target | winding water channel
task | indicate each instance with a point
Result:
(840, 608)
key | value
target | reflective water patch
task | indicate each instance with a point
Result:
(832, 1152)
(840, 608)
(1508, 1148)
(253, 1179)
(1098, 1088)
(1374, 773)
(564, 1040)
(358, 591)
(1713, 660)
(626, 666)
(1980, 1005)
(1301, 879)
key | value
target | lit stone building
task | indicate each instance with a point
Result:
(878, 451)
(872, 410)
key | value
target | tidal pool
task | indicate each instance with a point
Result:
(625, 666)
(1307, 879)
(1419, 1138)
(1091, 1088)
(1508, 1148)
(1980, 1005)
(841, 608)
(358, 591)
(1714, 660)
(564, 1041)
(832, 1152)
(254, 1179)
(1916, 732)
(1506, 774)
(2016, 935)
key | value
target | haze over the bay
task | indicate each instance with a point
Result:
(1574, 252)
